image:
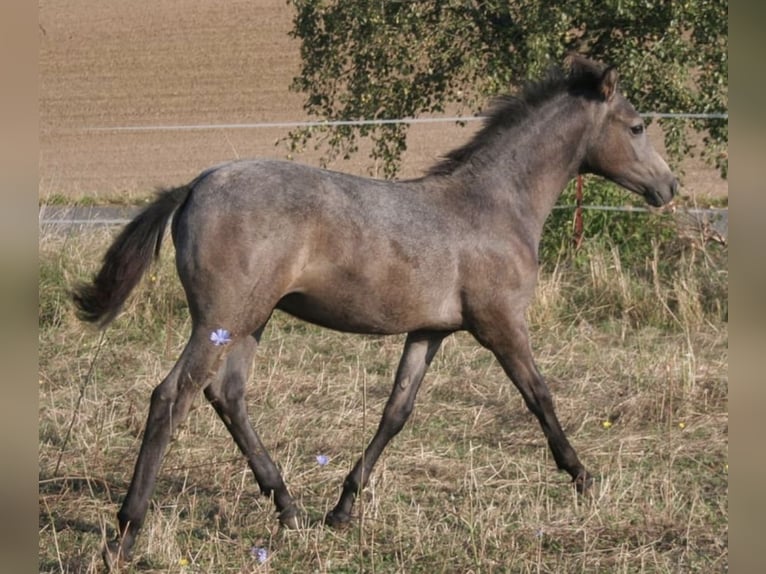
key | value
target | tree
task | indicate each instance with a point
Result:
(383, 59)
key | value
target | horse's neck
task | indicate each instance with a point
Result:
(534, 161)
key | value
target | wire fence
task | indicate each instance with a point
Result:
(363, 122)
(718, 216)
(59, 219)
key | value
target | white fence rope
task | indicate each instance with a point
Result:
(337, 123)
(74, 216)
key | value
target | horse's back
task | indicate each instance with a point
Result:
(264, 190)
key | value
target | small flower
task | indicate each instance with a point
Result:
(682, 425)
(606, 424)
(220, 337)
(322, 459)
(259, 553)
(183, 562)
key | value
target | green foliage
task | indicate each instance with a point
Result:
(383, 60)
(642, 267)
(634, 233)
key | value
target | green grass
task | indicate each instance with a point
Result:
(468, 486)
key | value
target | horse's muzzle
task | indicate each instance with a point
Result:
(657, 197)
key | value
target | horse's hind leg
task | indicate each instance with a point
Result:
(419, 350)
(227, 395)
(170, 404)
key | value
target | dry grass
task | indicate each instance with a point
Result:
(468, 486)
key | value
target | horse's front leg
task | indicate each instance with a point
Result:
(419, 350)
(507, 337)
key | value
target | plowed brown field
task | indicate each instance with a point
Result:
(147, 63)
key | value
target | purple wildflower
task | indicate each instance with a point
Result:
(220, 337)
(322, 459)
(259, 553)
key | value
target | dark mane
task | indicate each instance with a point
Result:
(508, 110)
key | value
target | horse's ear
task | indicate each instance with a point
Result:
(608, 83)
(576, 64)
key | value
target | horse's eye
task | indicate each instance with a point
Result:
(637, 130)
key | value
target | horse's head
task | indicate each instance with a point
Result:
(620, 149)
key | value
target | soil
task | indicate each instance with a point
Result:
(148, 63)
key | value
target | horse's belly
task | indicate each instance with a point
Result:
(369, 313)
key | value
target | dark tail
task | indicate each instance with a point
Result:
(127, 259)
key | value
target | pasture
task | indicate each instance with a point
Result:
(637, 363)
(637, 359)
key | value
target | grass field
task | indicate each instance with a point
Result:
(637, 364)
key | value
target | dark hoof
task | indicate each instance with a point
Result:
(583, 482)
(337, 519)
(115, 556)
(290, 518)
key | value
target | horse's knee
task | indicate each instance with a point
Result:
(228, 389)
(165, 393)
(538, 397)
(234, 388)
(213, 392)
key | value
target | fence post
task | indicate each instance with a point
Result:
(577, 236)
